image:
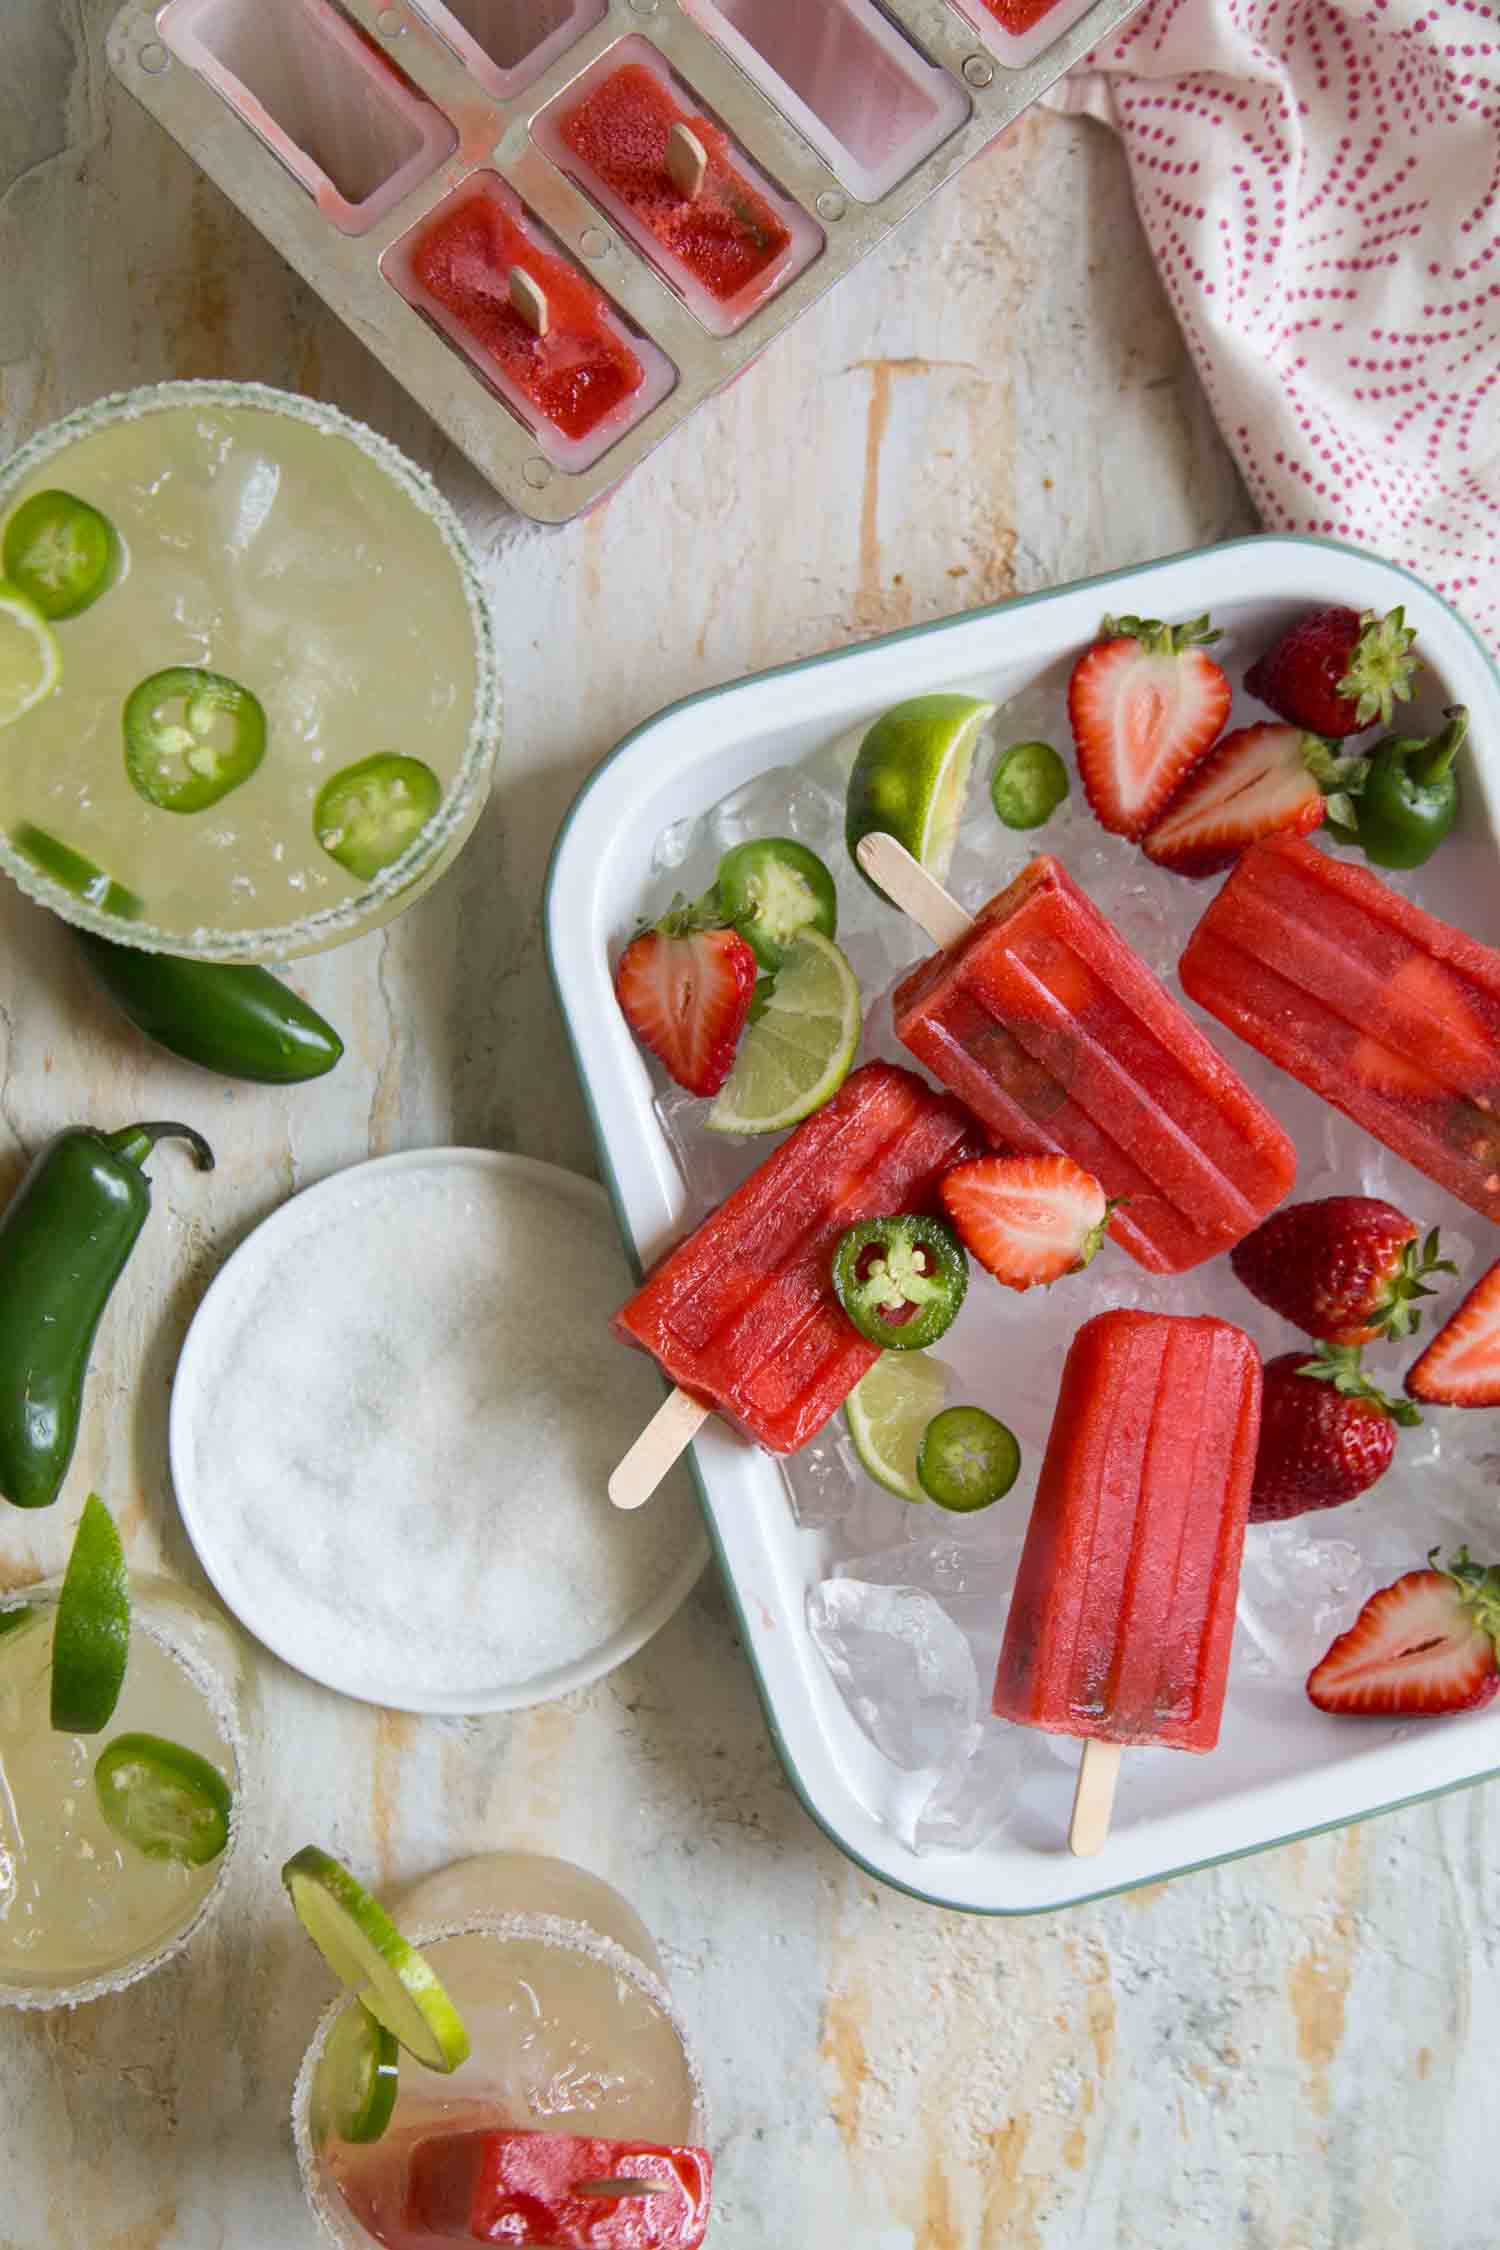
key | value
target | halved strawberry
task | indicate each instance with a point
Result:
(1337, 671)
(686, 987)
(1421, 1647)
(1145, 703)
(1461, 1366)
(1326, 1433)
(1345, 1268)
(1256, 782)
(1027, 1219)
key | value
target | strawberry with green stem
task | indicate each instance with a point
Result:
(1420, 1648)
(1337, 670)
(1327, 1433)
(1146, 701)
(1347, 1269)
(686, 986)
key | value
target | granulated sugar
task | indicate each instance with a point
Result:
(395, 1422)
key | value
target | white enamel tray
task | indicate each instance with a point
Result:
(1282, 1770)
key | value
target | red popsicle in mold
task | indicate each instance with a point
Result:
(558, 2191)
(533, 322)
(674, 179)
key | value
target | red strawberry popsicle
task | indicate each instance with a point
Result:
(558, 2191)
(742, 1315)
(1062, 1042)
(1123, 1611)
(1388, 1013)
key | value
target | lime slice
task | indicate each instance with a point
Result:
(912, 775)
(366, 1951)
(359, 2076)
(30, 659)
(797, 1054)
(91, 1632)
(166, 1801)
(887, 1411)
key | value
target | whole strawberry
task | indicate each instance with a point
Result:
(1326, 1434)
(1347, 1269)
(686, 987)
(1337, 671)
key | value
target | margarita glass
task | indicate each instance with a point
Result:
(83, 1911)
(572, 2031)
(275, 700)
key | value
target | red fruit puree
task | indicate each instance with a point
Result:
(727, 235)
(575, 375)
(1016, 16)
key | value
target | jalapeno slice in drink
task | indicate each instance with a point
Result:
(901, 1280)
(368, 813)
(190, 737)
(164, 1799)
(61, 552)
(74, 870)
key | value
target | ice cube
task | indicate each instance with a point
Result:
(902, 1665)
(1299, 1588)
(783, 802)
(980, 1794)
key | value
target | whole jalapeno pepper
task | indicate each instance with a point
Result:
(227, 1016)
(63, 1245)
(1409, 799)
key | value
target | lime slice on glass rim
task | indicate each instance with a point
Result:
(796, 1055)
(359, 2076)
(164, 1800)
(30, 659)
(91, 1631)
(366, 1952)
(911, 778)
(888, 1410)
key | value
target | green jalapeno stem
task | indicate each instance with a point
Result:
(135, 1142)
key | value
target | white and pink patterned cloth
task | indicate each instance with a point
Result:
(1320, 181)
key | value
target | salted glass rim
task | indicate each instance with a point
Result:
(538, 1929)
(312, 932)
(149, 1588)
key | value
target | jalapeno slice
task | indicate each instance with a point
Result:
(901, 1280)
(164, 1799)
(967, 1459)
(74, 871)
(772, 890)
(369, 812)
(190, 737)
(1028, 784)
(61, 552)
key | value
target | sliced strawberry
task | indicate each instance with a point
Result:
(1347, 1268)
(1425, 988)
(1027, 1219)
(1337, 671)
(686, 987)
(1145, 703)
(1256, 782)
(1461, 1366)
(1421, 1647)
(1326, 1433)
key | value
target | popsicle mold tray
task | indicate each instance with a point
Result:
(562, 224)
(787, 1533)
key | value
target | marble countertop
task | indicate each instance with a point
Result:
(1288, 2053)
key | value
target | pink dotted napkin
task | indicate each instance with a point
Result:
(1320, 181)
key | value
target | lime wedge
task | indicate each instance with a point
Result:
(797, 1055)
(30, 659)
(359, 2076)
(164, 1800)
(912, 775)
(366, 1951)
(887, 1412)
(91, 1632)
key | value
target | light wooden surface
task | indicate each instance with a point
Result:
(1290, 2053)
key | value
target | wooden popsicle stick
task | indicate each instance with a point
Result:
(1094, 1798)
(669, 1432)
(905, 880)
(687, 161)
(617, 2191)
(529, 299)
